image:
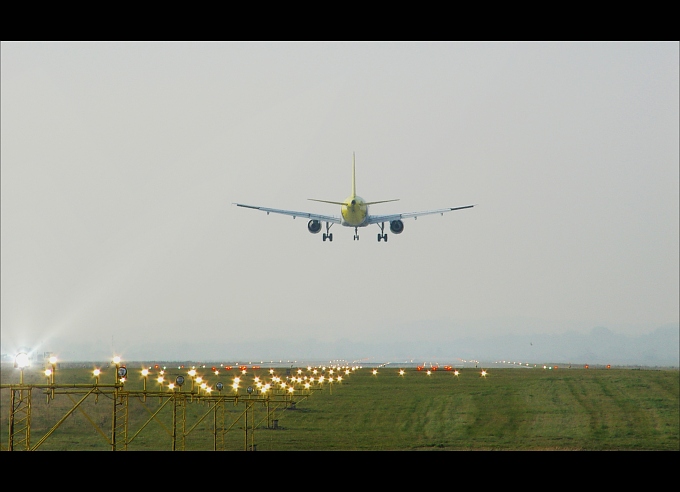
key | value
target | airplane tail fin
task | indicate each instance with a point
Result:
(354, 183)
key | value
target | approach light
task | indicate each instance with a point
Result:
(160, 379)
(375, 371)
(53, 360)
(96, 373)
(401, 372)
(456, 373)
(116, 360)
(145, 372)
(249, 389)
(179, 380)
(122, 372)
(22, 360)
(48, 372)
(483, 373)
(219, 386)
(171, 386)
(429, 372)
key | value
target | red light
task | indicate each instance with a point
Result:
(609, 366)
(256, 367)
(156, 366)
(586, 366)
(228, 368)
(419, 368)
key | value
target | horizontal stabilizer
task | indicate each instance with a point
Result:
(327, 201)
(382, 201)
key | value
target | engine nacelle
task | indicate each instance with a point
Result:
(397, 226)
(314, 226)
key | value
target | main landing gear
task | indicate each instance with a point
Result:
(328, 235)
(381, 234)
(356, 234)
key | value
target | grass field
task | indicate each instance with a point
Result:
(508, 409)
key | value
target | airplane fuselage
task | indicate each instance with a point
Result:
(354, 211)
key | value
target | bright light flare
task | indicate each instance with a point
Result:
(96, 373)
(401, 372)
(48, 372)
(375, 371)
(22, 360)
(483, 373)
(116, 360)
(53, 360)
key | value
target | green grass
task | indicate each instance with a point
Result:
(509, 409)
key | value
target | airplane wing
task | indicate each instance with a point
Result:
(375, 219)
(324, 218)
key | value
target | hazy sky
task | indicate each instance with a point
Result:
(120, 163)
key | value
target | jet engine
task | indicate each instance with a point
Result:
(314, 226)
(397, 226)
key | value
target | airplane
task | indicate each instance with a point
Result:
(354, 213)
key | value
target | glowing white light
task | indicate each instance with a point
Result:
(145, 372)
(53, 360)
(401, 372)
(48, 372)
(116, 360)
(96, 372)
(22, 360)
